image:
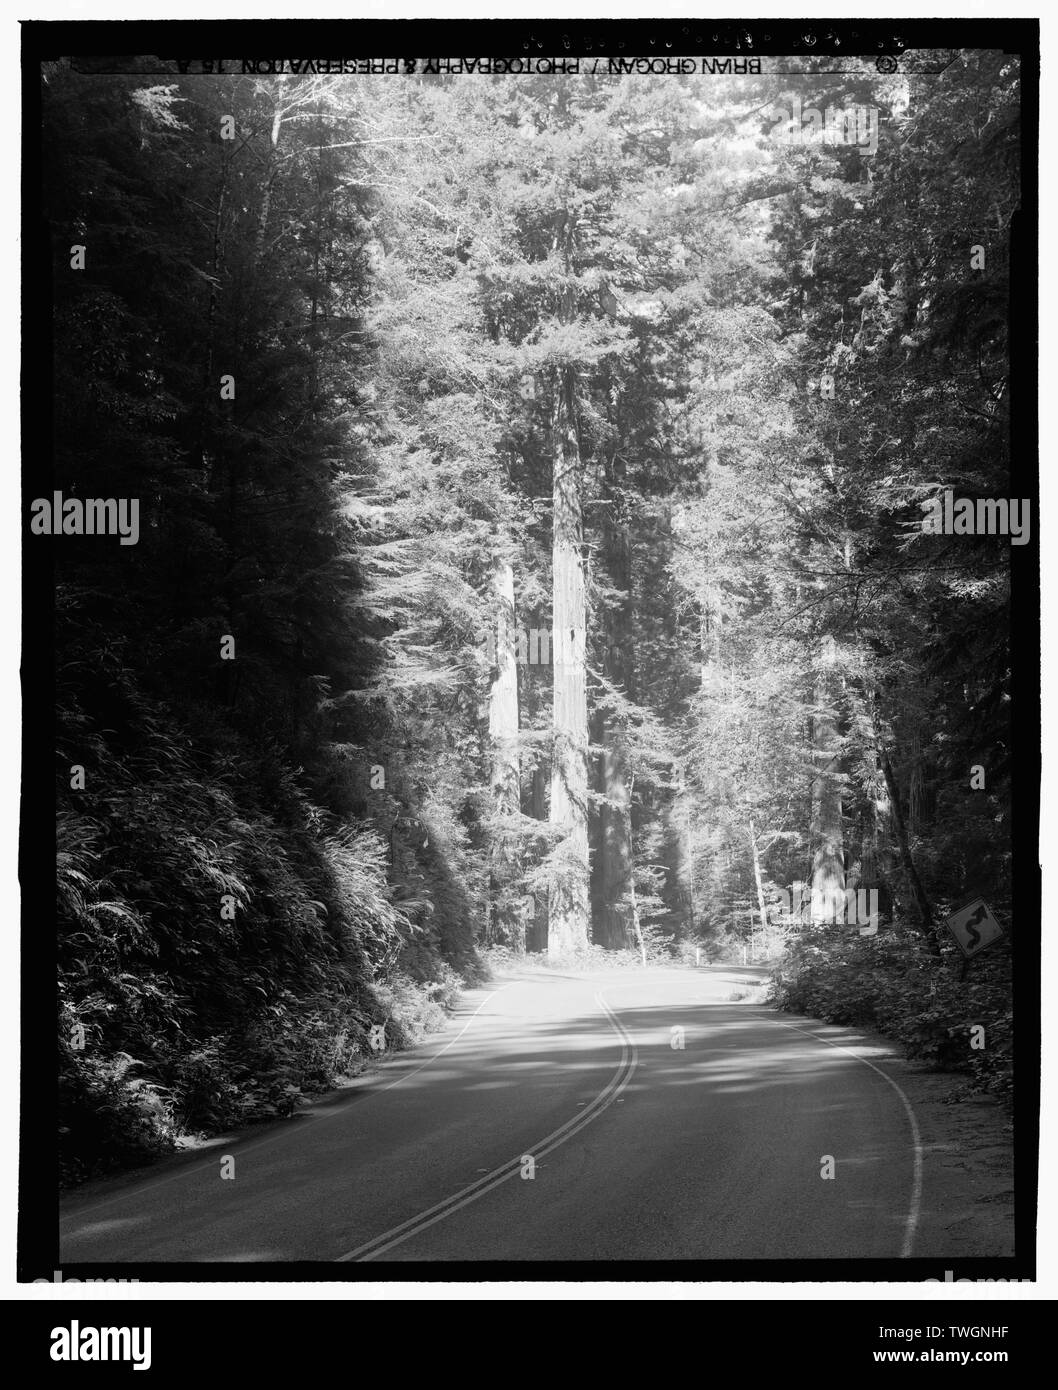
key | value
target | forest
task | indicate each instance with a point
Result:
(532, 559)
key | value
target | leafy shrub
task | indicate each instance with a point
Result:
(416, 1009)
(205, 1097)
(108, 1118)
(188, 1023)
(499, 960)
(892, 983)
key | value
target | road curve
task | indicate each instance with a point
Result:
(608, 1116)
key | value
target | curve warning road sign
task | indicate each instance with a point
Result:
(974, 927)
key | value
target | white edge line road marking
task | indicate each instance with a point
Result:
(280, 1134)
(417, 1224)
(430, 1060)
(916, 1137)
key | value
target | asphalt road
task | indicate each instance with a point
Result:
(556, 1120)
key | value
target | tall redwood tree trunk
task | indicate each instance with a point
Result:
(568, 915)
(614, 923)
(612, 911)
(506, 922)
(536, 928)
(758, 881)
(918, 892)
(828, 860)
(898, 827)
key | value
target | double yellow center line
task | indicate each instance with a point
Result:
(490, 1181)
